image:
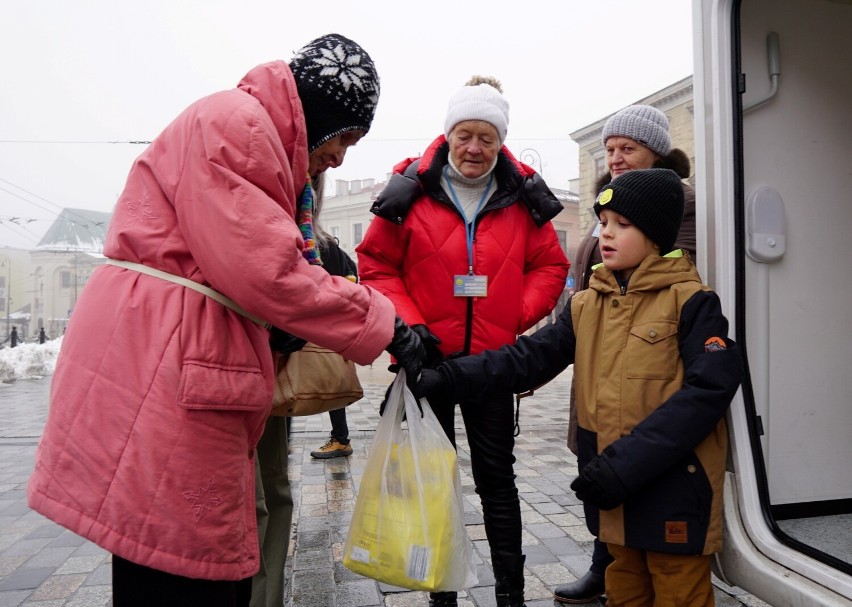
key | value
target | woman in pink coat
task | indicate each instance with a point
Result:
(160, 392)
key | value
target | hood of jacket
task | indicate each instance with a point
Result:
(653, 274)
(272, 84)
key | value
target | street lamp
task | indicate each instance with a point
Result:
(7, 263)
(531, 157)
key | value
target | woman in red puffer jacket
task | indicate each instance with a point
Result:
(464, 248)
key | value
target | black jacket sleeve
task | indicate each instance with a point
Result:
(531, 362)
(335, 261)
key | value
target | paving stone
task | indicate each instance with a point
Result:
(14, 598)
(91, 596)
(9, 563)
(48, 530)
(67, 539)
(81, 564)
(545, 530)
(26, 547)
(550, 573)
(563, 546)
(312, 560)
(58, 587)
(101, 576)
(358, 593)
(24, 578)
(538, 554)
(8, 539)
(51, 557)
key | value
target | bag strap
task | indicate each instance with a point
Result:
(190, 284)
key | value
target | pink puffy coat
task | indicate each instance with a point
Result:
(160, 393)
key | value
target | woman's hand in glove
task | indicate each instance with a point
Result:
(430, 344)
(408, 350)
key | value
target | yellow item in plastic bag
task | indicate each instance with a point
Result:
(408, 525)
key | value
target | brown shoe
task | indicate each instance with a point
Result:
(332, 448)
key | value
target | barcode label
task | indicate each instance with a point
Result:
(362, 555)
(418, 562)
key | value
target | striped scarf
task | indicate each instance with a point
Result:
(305, 219)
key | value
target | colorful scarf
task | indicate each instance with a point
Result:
(305, 219)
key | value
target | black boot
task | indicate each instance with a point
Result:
(509, 579)
(584, 590)
(443, 599)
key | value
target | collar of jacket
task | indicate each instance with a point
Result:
(418, 176)
(653, 274)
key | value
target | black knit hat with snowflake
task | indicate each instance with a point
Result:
(650, 198)
(338, 86)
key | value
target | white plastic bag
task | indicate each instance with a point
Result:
(408, 529)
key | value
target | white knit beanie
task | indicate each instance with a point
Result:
(480, 102)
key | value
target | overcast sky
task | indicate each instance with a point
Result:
(79, 80)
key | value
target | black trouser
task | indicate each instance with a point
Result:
(139, 586)
(490, 427)
(601, 558)
(339, 427)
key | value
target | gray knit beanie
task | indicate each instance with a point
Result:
(652, 199)
(642, 123)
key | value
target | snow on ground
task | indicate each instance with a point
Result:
(28, 360)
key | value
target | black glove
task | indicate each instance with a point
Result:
(408, 350)
(598, 484)
(283, 342)
(384, 402)
(430, 344)
(435, 384)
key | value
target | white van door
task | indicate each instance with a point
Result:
(773, 117)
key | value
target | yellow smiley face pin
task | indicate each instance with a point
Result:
(605, 196)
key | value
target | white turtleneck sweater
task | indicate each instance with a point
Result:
(468, 192)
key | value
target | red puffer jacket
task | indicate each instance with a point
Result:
(417, 244)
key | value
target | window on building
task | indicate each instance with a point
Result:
(335, 232)
(357, 233)
(65, 279)
(562, 235)
(600, 166)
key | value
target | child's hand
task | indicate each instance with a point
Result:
(599, 486)
(435, 384)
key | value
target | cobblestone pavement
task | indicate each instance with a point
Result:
(42, 564)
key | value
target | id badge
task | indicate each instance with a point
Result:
(470, 285)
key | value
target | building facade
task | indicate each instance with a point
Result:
(40, 287)
(14, 268)
(676, 101)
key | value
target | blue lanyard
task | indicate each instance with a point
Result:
(470, 226)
